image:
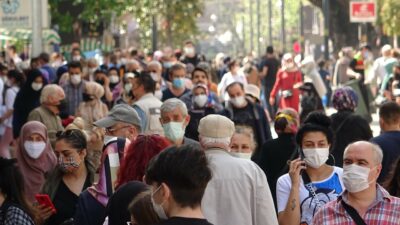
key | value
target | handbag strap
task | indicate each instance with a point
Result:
(310, 188)
(353, 213)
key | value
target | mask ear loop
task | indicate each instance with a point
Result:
(333, 159)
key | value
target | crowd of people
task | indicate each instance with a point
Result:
(171, 138)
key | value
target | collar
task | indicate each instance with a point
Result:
(47, 109)
(381, 195)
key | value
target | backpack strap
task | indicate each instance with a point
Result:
(353, 213)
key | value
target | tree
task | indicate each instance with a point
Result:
(389, 17)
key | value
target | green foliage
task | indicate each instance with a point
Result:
(390, 16)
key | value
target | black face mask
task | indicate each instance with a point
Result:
(396, 76)
(62, 107)
(86, 97)
(101, 82)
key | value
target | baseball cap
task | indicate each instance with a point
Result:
(119, 113)
(216, 126)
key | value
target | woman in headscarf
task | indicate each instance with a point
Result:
(275, 153)
(35, 157)
(288, 80)
(92, 108)
(27, 99)
(348, 126)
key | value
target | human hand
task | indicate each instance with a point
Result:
(272, 101)
(44, 212)
(294, 170)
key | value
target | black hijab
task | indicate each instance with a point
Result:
(117, 207)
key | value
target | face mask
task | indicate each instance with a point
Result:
(114, 79)
(238, 101)
(91, 70)
(34, 149)
(128, 87)
(101, 82)
(174, 131)
(158, 209)
(107, 138)
(76, 58)
(178, 82)
(36, 86)
(76, 79)
(241, 155)
(167, 65)
(316, 157)
(200, 100)
(189, 51)
(68, 166)
(86, 97)
(290, 65)
(355, 178)
(155, 77)
(158, 94)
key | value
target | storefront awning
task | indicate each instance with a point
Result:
(49, 36)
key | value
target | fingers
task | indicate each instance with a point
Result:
(297, 165)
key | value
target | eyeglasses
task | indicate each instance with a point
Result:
(111, 130)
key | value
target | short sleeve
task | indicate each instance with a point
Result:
(10, 98)
(283, 187)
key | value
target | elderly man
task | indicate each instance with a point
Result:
(147, 105)
(174, 119)
(52, 100)
(243, 112)
(238, 192)
(132, 66)
(364, 201)
(74, 87)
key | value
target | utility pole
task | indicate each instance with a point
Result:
(154, 33)
(270, 22)
(251, 25)
(258, 29)
(325, 7)
(37, 45)
(302, 29)
(283, 33)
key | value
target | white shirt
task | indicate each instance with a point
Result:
(327, 190)
(238, 192)
(11, 93)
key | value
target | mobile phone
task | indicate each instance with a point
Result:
(44, 199)
(301, 153)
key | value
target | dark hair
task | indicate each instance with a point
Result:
(321, 63)
(100, 71)
(12, 185)
(233, 84)
(73, 137)
(176, 67)
(184, 170)
(141, 209)
(189, 42)
(74, 64)
(12, 47)
(148, 83)
(390, 112)
(232, 63)
(270, 49)
(392, 183)
(249, 68)
(45, 57)
(113, 68)
(18, 76)
(201, 70)
(134, 52)
(316, 121)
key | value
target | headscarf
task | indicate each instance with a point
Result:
(95, 109)
(292, 120)
(345, 99)
(117, 208)
(34, 170)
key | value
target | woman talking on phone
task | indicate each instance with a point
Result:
(310, 182)
(73, 175)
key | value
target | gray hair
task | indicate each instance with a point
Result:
(172, 104)
(376, 149)
(155, 63)
(210, 142)
(248, 131)
(48, 90)
(93, 61)
(132, 62)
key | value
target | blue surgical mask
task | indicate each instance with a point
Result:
(174, 131)
(178, 82)
(167, 65)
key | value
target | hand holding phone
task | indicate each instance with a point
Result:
(44, 200)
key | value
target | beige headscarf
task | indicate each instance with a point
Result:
(95, 109)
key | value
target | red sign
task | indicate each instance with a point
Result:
(362, 12)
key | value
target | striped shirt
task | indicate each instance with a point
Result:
(385, 210)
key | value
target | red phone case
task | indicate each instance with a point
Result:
(44, 199)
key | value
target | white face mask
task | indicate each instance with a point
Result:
(76, 79)
(355, 178)
(128, 87)
(200, 100)
(36, 86)
(155, 77)
(174, 131)
(158, 209)
(238, 101)
(114, 79)
(158, 94)
(189, 51)
(316, 157)
(242, 155)
(76, 58)
(34, 149)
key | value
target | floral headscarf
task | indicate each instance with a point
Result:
(345, 98)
